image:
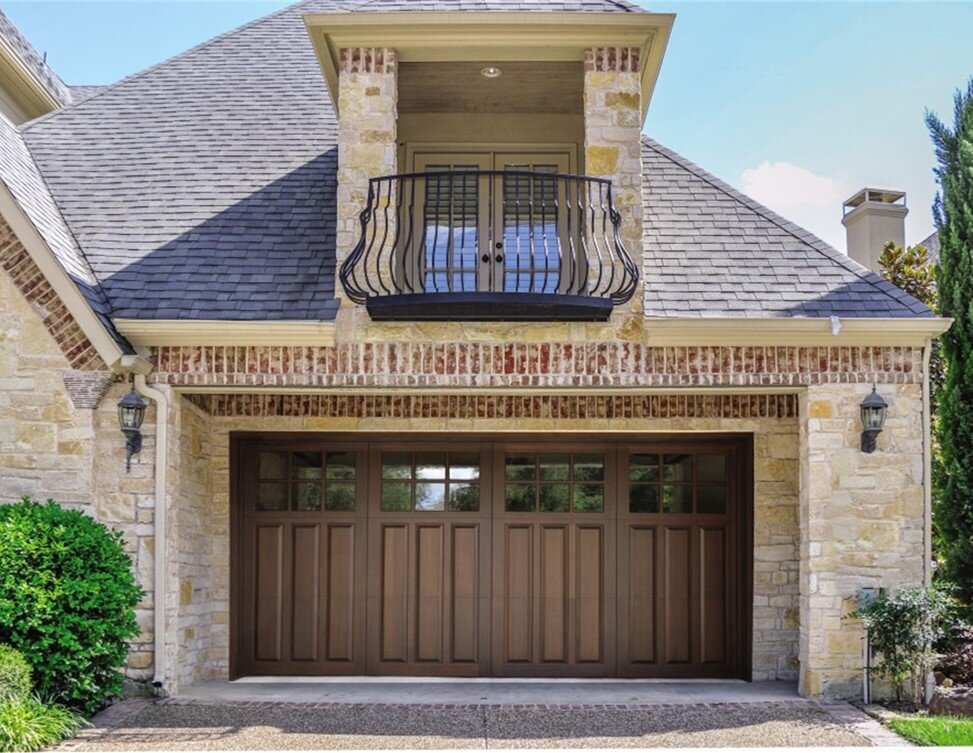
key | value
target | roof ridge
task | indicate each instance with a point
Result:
(866, 275)
(146, 71)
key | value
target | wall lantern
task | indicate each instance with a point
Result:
(131, 411)
(873, 409)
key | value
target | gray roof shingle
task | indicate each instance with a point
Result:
(55, 87)
(204, 188)
(932, 246)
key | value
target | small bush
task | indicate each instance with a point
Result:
(14, 673)
(957, 662)
(27, 724)
(67, 599)
(904, 628)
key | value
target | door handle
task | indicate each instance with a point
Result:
(485, 258)
(499, 245)
(499, 258)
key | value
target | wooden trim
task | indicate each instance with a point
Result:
(158, 332)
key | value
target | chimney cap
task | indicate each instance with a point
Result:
(877, 195)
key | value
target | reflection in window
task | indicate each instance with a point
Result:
(307, 481)
(554, 482)
(451, 234)
(677, 483)
(430, 481)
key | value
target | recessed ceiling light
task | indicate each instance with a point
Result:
(491, 71)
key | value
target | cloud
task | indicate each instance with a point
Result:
(810, 200)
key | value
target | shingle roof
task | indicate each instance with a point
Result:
(20, 176)
(712, 251)
(205, 188)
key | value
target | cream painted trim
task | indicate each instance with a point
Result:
(415, 149)
(57, 276)
(149, 332)
(927, 464)
(474, 391)
(23, 86)
(796, 331)
(437, 36)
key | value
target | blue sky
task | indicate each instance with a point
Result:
(799, 104)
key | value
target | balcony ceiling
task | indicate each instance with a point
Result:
(541, 87)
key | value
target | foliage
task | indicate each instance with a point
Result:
(67, 598)
(14, 673)
(904, 628)
(954, 219)
(27, 724)
(957, 662)
(934, 730)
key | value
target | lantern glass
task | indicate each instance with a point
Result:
(873, 418)
(131, 411)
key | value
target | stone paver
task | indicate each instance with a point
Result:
(185, 725)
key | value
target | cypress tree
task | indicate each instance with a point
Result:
(953, 211)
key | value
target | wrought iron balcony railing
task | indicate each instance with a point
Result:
(489, 245)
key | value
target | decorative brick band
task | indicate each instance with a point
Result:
(551, 407)
(617, 59)
(366, 60)
(556, 365)
(87, 388)
(33, 285)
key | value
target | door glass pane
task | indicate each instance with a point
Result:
(306, 465)
(396, 465)
(450, 229)
(644, 468)
(554, 467)
(643, 498)
(677, 467)
(711, 468)
(396, 496)
(677, 498)
(589, 498)
(430, 497)
(519, 497)
(520, 467)
(339, 497)
(555, 498)
(531, 245)
(464, 497)
(712, 498)
(464, 466)
(340, 465)
(306, 497)
(273, 465)
(431, 465)
(272, 496)
(589, 467)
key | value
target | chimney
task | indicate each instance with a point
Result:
(872, 218)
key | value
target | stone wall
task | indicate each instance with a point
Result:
(45, 444)
(613, 147)
(862, 518)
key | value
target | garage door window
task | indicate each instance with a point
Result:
(677, 483)
(430, 481)
(307, 481)
(554, 482)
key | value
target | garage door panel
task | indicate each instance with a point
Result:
(465, 597)
(713, 596)
(394, 594)
(639, 609)
(517, 608)
(553, 593)
(269, 586)
(306, 589)
(590, 600)
(341, 606)
(677, 608)
(430, 593)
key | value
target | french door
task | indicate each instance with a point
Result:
(486, 231)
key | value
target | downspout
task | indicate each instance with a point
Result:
(161, 540)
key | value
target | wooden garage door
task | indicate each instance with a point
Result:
(491, 556)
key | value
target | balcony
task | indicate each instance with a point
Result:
(489, 245)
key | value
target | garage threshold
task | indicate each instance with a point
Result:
(487, 691)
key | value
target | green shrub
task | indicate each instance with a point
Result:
(27, 724)
(67, 599)
(904, 628)
(14, 673)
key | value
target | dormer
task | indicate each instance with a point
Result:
(489, 164)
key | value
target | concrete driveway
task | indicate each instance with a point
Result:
(228, 724)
